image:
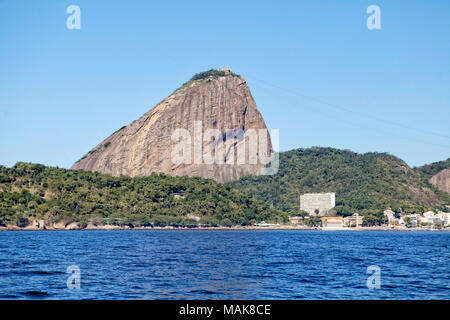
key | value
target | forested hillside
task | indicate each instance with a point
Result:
(431, 169)
(34, 191)
(364, 183)
(437, 174)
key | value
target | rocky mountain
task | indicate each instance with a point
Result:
(437, 174)
(204, 119)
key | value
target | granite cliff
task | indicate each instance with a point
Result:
(214, 100)
(441, 180)
(437, 174)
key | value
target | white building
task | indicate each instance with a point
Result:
(332, 223)
(317, 204)
(444, 217)
(414, 219)
(296, 220)
(427, 217)
(428, 214)
(355, 220)
(390, 216)
(431, 218)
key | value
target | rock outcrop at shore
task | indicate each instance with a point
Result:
(212, 100)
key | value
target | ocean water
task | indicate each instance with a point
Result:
(224, 264)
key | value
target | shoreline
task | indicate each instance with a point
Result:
(235, 228)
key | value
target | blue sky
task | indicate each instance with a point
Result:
(315, 70)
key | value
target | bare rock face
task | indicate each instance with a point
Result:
(441, 180)
(217, 102)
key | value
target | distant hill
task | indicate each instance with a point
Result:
(431, 169)
(437, 174)
(365, 183)
(33, 191)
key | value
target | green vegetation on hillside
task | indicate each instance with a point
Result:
(34, 191)
(365, 183)
(210, 74)
(102, 147)
(431, 169)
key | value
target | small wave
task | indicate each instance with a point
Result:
(355, 259)
(190, 261)
(36, 293)
(41, 272)
(276, 263)
(261, 276)
(36, 272)
(8, 296)
(203, 291)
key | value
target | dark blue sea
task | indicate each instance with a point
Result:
(224, 264)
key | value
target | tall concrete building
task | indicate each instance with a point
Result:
(317, 204)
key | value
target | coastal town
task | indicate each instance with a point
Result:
(317, 213)
(320, 206)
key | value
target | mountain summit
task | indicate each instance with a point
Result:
(199, 130)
